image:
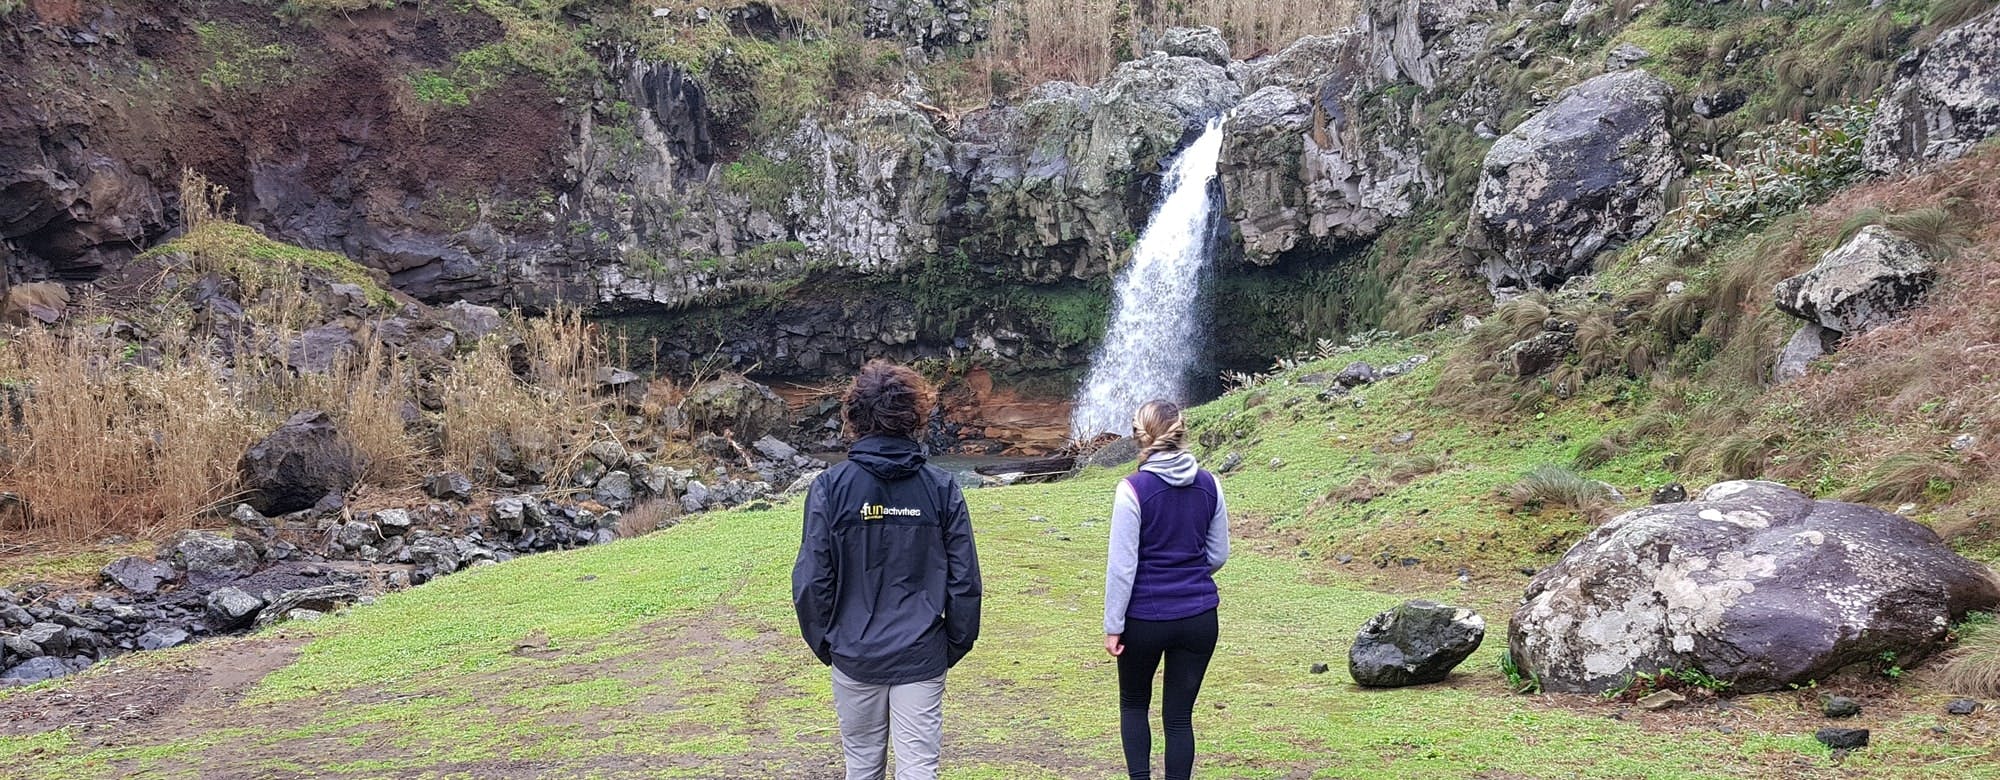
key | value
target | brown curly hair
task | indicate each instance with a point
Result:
(887, 399)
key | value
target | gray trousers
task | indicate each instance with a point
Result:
(870, 715)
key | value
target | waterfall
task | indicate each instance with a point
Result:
(1155, 338)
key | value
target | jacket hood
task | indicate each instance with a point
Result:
(888, 457)
(1177, 468)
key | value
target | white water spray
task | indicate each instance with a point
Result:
(1155, 335)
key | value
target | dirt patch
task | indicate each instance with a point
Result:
(130, 694)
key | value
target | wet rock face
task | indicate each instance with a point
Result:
(1944, 101)
(1583, 175)
(71, 210)
(1416, 643)
(1860, 285)
(1753, 583)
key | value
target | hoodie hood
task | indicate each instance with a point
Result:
(1177, 468)
(888, 457)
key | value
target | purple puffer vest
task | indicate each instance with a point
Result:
(1173, 580)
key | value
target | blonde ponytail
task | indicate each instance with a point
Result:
(1158, 428)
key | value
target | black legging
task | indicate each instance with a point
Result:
(1187, 643)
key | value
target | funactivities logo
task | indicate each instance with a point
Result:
(878, 511)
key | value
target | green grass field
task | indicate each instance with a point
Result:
(675, 654)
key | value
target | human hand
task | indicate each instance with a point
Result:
(1112, 645)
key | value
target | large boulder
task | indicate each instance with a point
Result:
(1752, 583)
(746, 409)
(1583, 175)
(1202, 43)
(209, 559)
(297, 465)
(138, 575)
(1944, 100)
(1860, 285)
(1416, 643)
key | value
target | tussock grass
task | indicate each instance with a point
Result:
(1906, 476)
(1550, 485)
(1972, 667)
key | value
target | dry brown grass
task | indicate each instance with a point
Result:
(1972, 667)
(1081, 40)
(528, 405)
(97, 446)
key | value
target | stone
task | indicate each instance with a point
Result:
(435, 553)
(230, 607)
(511, 513)
(138, 575)
(354, 535)
(1660, 700)
(733, 404)
(295, 466)
(1842, 739)
(14, 615)
(1355, 374)
(615, 490)
(1860, 285)
(1625, 56)
(1808, 343)
(393, 522)
(162, 638)
(1318, 669)
(1583, 175)
(1202, 43)
(696, 497)
(1839, 707)
(472, 321)
(50, 638)
(1944, 100)
(1416, 643)
(1752, 583)
(1229, 463)
(1114, 453)
(319, 350)
(36, 670)
(778, 451)
(1670, 493)
(448, 486)
(208, 559)
(1961, 707)
(1535, 355)
(610, 453)
(246, 516)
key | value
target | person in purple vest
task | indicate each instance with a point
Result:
(1169, 535)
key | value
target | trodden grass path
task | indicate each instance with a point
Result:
(674, 655)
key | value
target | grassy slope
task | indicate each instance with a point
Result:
(674, 656)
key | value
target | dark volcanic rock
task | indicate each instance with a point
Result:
(1843, 739)
(1840, 707)
(1415, 643)
(1355, 374)
(139, 575)
(1752, 583)
(231, 607)
(1670, 493)
(1585, 174)
(209, 559)
(297, 465)
(162, 638)
(1961, 707)
(448, 486)
(36, 670)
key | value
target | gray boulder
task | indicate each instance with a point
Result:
(1202, 43)
(1753, 583)
(1356, 374)
(209, 559)
(1416, 643)
(318, 350)
(1538, 353)
(36, 670)
(472, 322)
(1118, 452)
(1806, 345)
(138, 575)
(162, 638)
(614, 490)
(1944, 100)
(393, 522)
(47, 638)
(746, 409)
(298, 464)
(778, 451)
(1583, 175)
(230, 607)
(1860, 285)
(448, 486)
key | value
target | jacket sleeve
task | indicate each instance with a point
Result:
(1218, 533)
(1121, 563)
(963, 588)
(814, 577)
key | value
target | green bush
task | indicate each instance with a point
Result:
(1775, 172)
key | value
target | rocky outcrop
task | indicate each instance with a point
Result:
(1202, 43)
(1416, 643)
(931, 24)
(1860, 285)
(69, 208)
(1753, 584)
(1945, 99)
(1583, 175)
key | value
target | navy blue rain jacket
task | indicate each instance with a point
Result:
(887, 580)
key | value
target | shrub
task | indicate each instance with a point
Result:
(1775, 171)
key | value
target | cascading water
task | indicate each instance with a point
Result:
(1155, 337)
